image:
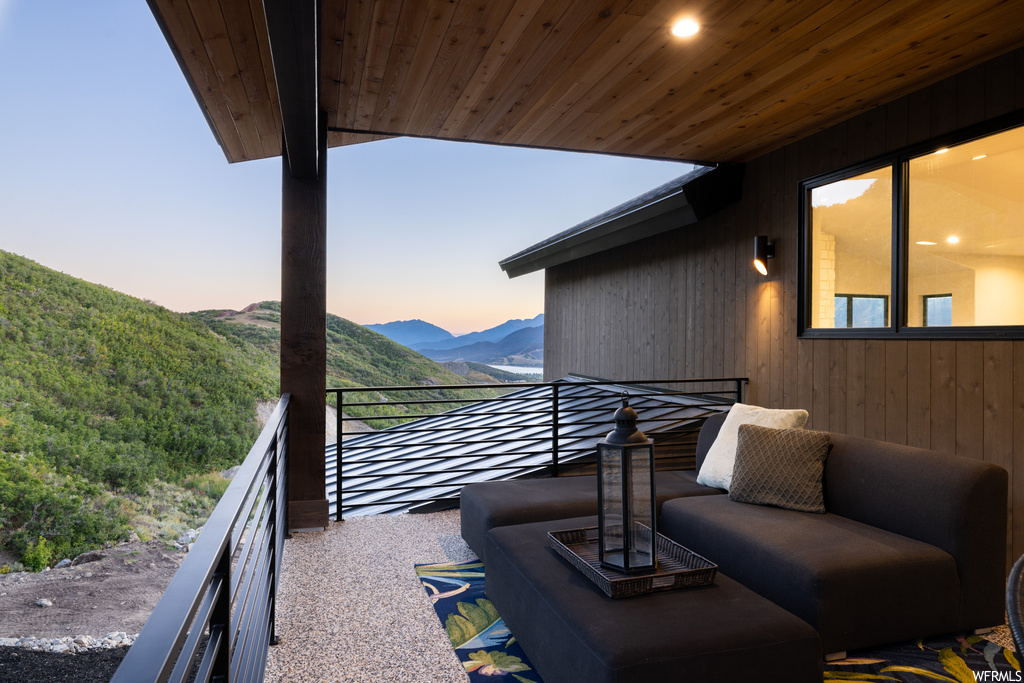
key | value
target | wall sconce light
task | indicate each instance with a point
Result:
(763, 250)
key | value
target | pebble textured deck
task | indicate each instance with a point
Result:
(351, 607)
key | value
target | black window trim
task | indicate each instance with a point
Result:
(899, 161)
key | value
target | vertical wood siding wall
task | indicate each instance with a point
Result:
(689, 304)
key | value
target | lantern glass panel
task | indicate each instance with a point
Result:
(641, 507)
(612, 504)
(627, 525)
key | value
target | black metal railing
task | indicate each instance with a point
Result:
(536, 429)
(216, 618)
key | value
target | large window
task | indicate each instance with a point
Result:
(851, 221)
(925, 239)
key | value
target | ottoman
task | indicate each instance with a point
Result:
(572, 632)
(486, 505)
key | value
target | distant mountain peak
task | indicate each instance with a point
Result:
(411, 332)
(518, 339)
(494, 334)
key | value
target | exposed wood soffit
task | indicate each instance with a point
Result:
(679, 202)
(577, 75)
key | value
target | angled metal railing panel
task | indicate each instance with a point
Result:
(226, 586)
(538, 428)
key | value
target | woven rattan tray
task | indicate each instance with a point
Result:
(678, 567)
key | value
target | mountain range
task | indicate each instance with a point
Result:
(514, 342)
(412, 332)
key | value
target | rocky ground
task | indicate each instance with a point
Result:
(106, 590)
(105, 593)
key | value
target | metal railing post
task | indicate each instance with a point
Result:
(554, 429)
(337, 479)
(284, 428)
(275, 534)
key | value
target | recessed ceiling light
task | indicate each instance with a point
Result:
(952, 239)
(942, 151)
(926, 244)
(980, 156)
(685, 28)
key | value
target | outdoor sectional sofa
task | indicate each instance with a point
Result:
(911, 544)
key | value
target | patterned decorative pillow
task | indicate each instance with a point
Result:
(780, 467)
(718, 463)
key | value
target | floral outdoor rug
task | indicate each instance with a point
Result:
(957, 659)
(487, 649)
(483, 644)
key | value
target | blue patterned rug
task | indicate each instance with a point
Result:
(957, 659)
(483, 644)
(487, 649)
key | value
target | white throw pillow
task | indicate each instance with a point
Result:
(718, 463)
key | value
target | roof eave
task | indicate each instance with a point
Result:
(679, 203)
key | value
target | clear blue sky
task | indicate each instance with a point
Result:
(109, 172)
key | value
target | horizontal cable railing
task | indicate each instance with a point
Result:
(216, 618)
(419, 450)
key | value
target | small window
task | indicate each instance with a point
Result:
(938, 310)
(858, 310)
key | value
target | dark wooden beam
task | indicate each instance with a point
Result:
(294, 28)
(304, 337)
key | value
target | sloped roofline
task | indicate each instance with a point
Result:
(679, 202)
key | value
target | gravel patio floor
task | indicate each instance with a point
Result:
(351, 607)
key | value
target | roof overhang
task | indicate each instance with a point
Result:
(574, 74)
(675, 204)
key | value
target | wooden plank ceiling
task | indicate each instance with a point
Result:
(605, 77)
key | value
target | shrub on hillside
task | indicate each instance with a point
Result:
(69, 513)
(38, 555)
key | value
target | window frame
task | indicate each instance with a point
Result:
(898, 160)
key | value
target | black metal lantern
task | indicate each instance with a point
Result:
(625, 496)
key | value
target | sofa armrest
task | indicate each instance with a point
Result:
(707, 435)
(954, 503)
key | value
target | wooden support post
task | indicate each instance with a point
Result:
(304, 335)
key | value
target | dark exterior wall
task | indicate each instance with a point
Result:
(689, 304)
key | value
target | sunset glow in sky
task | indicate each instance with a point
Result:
(109, 172)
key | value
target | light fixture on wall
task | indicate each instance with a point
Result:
(763, 250)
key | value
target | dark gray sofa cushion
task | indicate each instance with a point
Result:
(856, 584)
(572, 632)
(486, 505)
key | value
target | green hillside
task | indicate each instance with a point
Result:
(101, 392)
(114, 412)
(356, 357)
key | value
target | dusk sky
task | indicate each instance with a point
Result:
(109, 172)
